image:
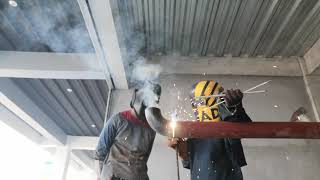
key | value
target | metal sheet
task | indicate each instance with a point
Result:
(76, 106)
(222, 27)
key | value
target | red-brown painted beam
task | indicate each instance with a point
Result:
(297, 130)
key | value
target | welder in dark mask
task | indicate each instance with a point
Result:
(126, 140)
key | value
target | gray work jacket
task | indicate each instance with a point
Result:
(124, 147)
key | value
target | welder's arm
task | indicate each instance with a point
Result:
(240, 115)
(105, 142)
(182, 150)
(233, 100)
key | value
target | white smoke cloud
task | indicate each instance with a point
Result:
(142, 71)
(54, 26)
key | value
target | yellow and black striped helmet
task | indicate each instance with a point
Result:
(203, 107)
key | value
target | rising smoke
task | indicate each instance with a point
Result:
(132, 40)
(53, 25)
(58, 26)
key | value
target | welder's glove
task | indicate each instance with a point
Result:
(181, 145)
(233, 98)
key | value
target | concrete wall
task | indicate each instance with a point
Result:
(314, 84)
(267, 159)
(288, 93)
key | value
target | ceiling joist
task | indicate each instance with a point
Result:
(228, 65)
(15, 99)
(49, 65)
(103, 26)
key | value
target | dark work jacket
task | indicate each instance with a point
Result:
(217, 158)
(234, 146)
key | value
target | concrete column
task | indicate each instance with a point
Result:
(312, 88)
(62, 159)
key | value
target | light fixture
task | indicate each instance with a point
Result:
(92, 125)
(275, 66)
(13, 3)
(275, 106)
(69, 90)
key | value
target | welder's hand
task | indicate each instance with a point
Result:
(181, 145)
(172, 142)
(233, 98)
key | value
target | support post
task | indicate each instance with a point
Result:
(62, 159)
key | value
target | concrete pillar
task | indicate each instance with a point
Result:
(62, 159)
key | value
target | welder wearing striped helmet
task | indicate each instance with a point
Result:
(213, 158)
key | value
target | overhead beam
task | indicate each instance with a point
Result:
(83, 142)
(83, 160)
(312, 58)
(228, 65)
(10, 119)
(19, 125)
(15, 100)
(49, 65)
(100, 22)
(23, 115)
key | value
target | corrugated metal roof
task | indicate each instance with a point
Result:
(218, 27)
(44, 26)
(76, 106)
